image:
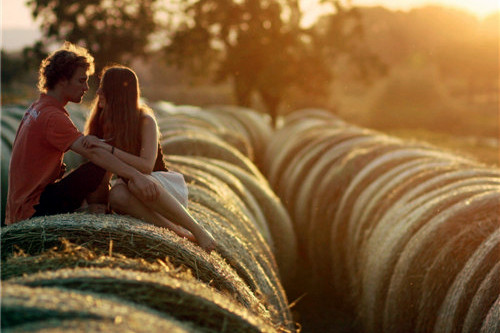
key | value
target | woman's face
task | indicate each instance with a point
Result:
(102, 100)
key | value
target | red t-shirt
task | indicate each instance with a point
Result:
(45, 133)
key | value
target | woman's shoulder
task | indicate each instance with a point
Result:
(148, 119)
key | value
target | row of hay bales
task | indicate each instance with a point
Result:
(85, 272)
(406, 234)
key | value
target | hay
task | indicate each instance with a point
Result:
(285, 136)
(407, 280)
(224, 201)
(72, 256)
(237, 188)
(277, 219)
(131, 238)
(307, 193)
(258, 272)
(207, 146)
(25, 309)
(321, 227)
(453, 310)
(289, 148)
(300, 165)
(483, 301)
(186, 300)
(372, 165)
(392, 234)
(257, 126)
(323, 115)
(491, 324)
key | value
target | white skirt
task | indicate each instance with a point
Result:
(173, 182)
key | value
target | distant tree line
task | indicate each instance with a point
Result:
(261, 46)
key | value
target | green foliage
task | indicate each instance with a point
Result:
(12, 68)
(414, 98)
(114, 31)
(261, 47)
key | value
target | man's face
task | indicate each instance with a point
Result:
(77, 86)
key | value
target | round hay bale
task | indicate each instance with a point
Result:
(287, 135)
(312, 113)
(391, 236)
(406, 282)
(234, 139)
(316, 176)
(259, 272)
(70, 255)
(182, 122)
(454, 307)
(384, 160)
(187, 300)
(362, 216)
(32, 309)
(291, 145)
(207, 165)
(257, 126)
(483, 301)
(208, 147)
(230, 227)
(378, 197)
(301, 164)
(491, 324)
(277, 219)
(225, 201)
(131, 238)
(324, 206)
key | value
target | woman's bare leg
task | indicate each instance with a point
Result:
(170, 208)
(124, 202)
(98, 200)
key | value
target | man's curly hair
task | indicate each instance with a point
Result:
(62, 64)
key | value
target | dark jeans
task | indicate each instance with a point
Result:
(67, 195)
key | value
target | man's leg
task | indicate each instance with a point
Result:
(67, 195)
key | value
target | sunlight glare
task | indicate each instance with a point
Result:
(480, 8)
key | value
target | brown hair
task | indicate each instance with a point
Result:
(120, 120)
(62, 64)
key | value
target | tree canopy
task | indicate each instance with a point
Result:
(113, 31)
(262, 47)
(258, 45)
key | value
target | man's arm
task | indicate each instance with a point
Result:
(106, 160)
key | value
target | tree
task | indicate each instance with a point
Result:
(12, 68)
(113, 31)
(261, 46)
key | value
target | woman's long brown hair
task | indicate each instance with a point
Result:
(119, 122)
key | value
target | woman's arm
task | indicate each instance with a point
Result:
(149, 147)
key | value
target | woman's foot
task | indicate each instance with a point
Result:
(206, 241)
(180, 231)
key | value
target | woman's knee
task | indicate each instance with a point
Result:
(133, 189)
(119, 197)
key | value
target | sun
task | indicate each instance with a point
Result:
(480, 8)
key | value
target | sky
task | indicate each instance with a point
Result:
(15, 13)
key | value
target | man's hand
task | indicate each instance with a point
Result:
(90, 141)
(143, 187)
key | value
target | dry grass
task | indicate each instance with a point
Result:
(57, 310)
(130, 238)
(187, 300)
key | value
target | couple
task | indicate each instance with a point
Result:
(122, 139)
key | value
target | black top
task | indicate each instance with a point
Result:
(160, 163)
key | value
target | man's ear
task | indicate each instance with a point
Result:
(63, 82)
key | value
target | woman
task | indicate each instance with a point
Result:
(130, 132)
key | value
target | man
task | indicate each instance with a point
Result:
(46, 132)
